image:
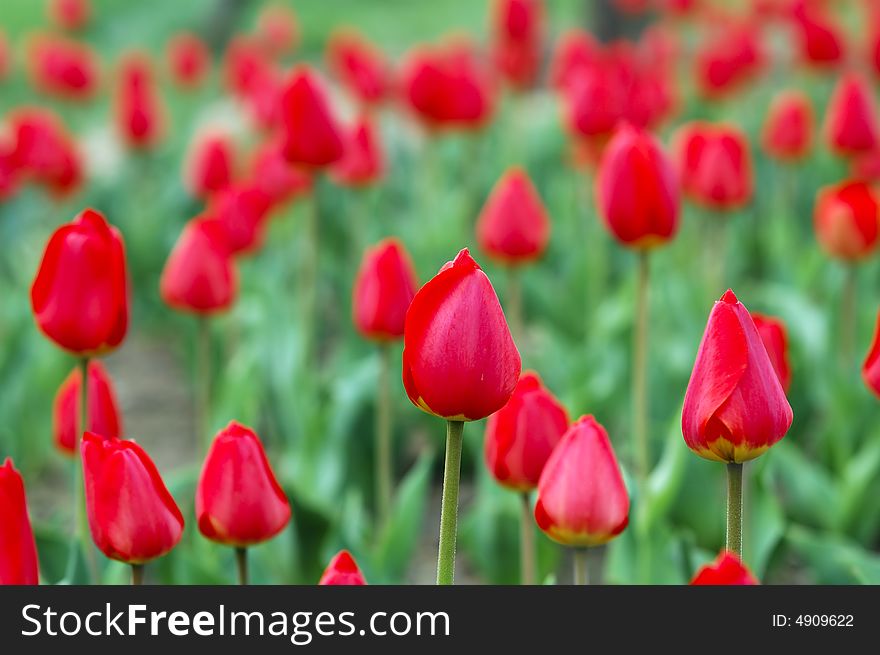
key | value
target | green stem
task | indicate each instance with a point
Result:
(310, 274)
(514, 303)
(241, 562)
(848, 318)
(581, 571)
(639, 375)
(449, 504)
(527, 541)
(383, 459)
(716, 251)
(734, 509)
(203, 385)
(81, 537)
(137, 574)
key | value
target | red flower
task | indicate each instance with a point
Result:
(342, 570)
(104, 416)
(582, 499)
(277, 29)
(243, 209)
(730, 56)
(44, 151)
(138, 107)
(383, 290)
(735, 407)
(188, 59)
(200, 275)
(850, 120)
(459, 360)
(821, 43)
(132, 516)
(513, 226)
(210, 165)
(715, 165)
(238, 500)
(871, 366)
(311, 134)
(70, 14)
(846, 220)
(575, 51)
(359, 65)
(246, 66)
(80, 293)
(277, 178)
(18, 550)
(725, 570)
(363, 162)
(62, 67)
(788, 130)
(517, 27)
(521, 435)
(774, 336)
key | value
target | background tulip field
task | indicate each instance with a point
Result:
(307, 384)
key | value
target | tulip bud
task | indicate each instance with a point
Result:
(278, 179)
(44, 151)
(238, 500)
(788, 130)
(730, 56)
(846, 220)
(70, 14)
(363, 162)
(734, 407)
(582, 499)
(850, 120)
(243, 209)
(513, 226)
(200, 275)
(636, 190)
(715, 165)
(725, 570)
(774, 336)
(383, 290)
(342, 570)
(459, 360)
(210, 166)
(138, 106)
(18, 550)
(821, 44)
(575, 52)
(277, 29)
(360, 66)
(132, 516)
(188, 59)
(517, 31)
(62, 67)
(80, 293)
(521, 435)
(312, 136)
(871, 366)
(104, 416)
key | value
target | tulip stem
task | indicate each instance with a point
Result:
(203, 385)
(527, 541)
(241, 561)
(309, 279)
(848, 318)
(515, 303)
(581, 571)
(383, 458)
(137, 574)
(640, 360)
(449, 504)
(734, 509)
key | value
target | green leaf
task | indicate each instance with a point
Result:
(832, 559)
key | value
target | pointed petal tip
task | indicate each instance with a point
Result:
(729, 297)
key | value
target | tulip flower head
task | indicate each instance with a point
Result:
(730, 56)
(575, 51)
(280, 181)
(360, 66)
(774, 336)
(70, 14)
(383, 290)
(44, 151)
(363, 162)
(517, 27)
(188, 59)
(850, 119)
(846, 220)
(210, 165)
(312, 135)
(715, 165)
(342, 570)
(735, 407)
(243, 209)
(821, 43)
(62, 67)
(788, 130)
(727, 569)
(18, 550)
(138, 106)
(104, 416)
(277, 29)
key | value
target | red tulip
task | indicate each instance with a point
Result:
(821, 43)
(44, 151)
(734, 407)
(200, 275)
(312, 135)
(727, 569)
(188, 59)
(138, 107)
(730, 56)
(246, 66)
(62, 67)
(575, 52)
(238, 500)
(363, 162)
(636, 190)
(278, 179)
(104, 416)
(277, 29)
(360, 66)
(513, 226)
(18, 550)
(243, 209)
(132, 516)
(788, 130)
(521, 435)
(715, 165)
(846, 220)
(582, 499)
(70, 14)
(342, 570)
(383, 290)
(850, 120)
(459, 360)
(678, 7)
(774, 336)
(871, 366)
(80, 293)
(875, 43)
(517, 27)
(210, 165)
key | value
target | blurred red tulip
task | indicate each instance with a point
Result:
(678, 7)
(850, 119)
(80, 293)
(729, 56)
(521, 435)
(312, 136)
(243, 209)
(575, 51)
(342, 570)
(18, 550)
(277, 29)
(517, 29)
(865, 166)
(188, 59)
(210, 165)
(104, 416)
(238, 500)
(70, 14)
(275, 176)
(788, 129)
(44, 151)
(200, 275)
(715, 165)
(727, 569)
(138, 106)
(734, 407)
(459, 360)
(513, 226)
(846, 220)
(360, 66)
(383, 290)
(246, 67)
(820, 41)
(871, 365)
(363, 162)
(132, 516)
(774, 336)
(62, 67)
(582, 499)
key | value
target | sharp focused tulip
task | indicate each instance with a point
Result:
(363, 162)
(70, 14)
(735, 407)
(636, 190)
(459, 360)
(200, 275)
(210, 165)
(18, 550)
(277, 29)
(238, 500)
(788, 130)
(138, 107)
(582, 499)
(312, 135)
(62, 67)
(80, 293)
(517, 27)
(513, 226)
(871, 365)
(188, 59)
(360, 66)
(104, 415)
(383, 290)
(715, 165)
(342, 570)
(846, 220)
(521, 435)
(132, 516)
(243, 209)
(774, 336)
(727, 569)
(850, 119)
